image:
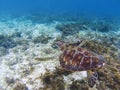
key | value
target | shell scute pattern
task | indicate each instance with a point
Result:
(75, 58)
(79, 59)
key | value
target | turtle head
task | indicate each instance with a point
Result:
(60, 44)
(101, 62)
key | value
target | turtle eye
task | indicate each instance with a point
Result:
(101, 64)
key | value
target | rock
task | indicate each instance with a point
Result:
(7, 41)
(3, 51)
(20, 86)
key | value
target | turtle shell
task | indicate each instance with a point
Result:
(79, 59)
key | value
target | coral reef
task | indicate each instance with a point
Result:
(9, 80)
(79, 85)
(7, 41)
(42, 39)
(70, 28)
(30, 56)
(54, 80)
(102, 26)
(19, 86)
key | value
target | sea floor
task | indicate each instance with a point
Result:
(29, 60)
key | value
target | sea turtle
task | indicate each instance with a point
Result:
(76, 58)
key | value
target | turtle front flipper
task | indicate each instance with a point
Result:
(92, 78)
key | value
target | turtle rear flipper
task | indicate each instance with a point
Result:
(92, 79)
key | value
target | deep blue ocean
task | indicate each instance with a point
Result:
(94, 7)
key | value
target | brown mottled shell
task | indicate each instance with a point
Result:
(78, 59)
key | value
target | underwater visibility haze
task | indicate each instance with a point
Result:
(59, 45)
(102, 7)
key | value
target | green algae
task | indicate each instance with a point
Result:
(53, 81)
(19, 86)
(79, 85)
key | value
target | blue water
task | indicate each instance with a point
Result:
(89, 7)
